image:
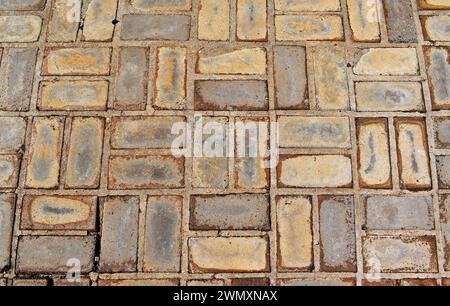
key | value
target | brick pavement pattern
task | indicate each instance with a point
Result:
(90, 91)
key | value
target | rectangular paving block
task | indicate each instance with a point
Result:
(155, 27)
(231, 254)
(161, 5)
(138, 282)
(131, 79)
(317, 282)
(60, 27)
(22, 5)
(387, 61)
(45, 153)
(98, 20)
(391, 254)
(400, 21)
(331, 93)
(294, 232)
(337, 234)
(9, 170)
(119, 236)
(251, 20)
(315, 171)
(314, 132)
(441, 128)
(162, 246)
(374, 161)
(412, 152)
(214, 20)
(364, 20)
(438, 69)
(231, 95)
(73, 95)
(48, 212)
(76, 61)
(290, 77)
(389, 96)
(85, 153)
(308, 5)
(435, 28)
(434, 4)
(230, 212)
(444, 210)
(12, 134)
(144, 132)
(21, 28)
(210, 172)
(16, 78)
(55, 254)
(7, 206)
(145, 172)
(443, 171)
(308, 27)
(398, 213)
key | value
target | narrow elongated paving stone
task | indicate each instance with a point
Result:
(438, 68)
(22, 5)
(434, 4)
(7, 205)
(161, 5)
(400, 21)
(235, 61)
(387, 61)
(364, 20)
(308, 27)
(162, 247)
(214, 20)
(307, 5)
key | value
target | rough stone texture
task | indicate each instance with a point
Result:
(443, 170)
(61, 28)
(308, 27)
(24, 28)
(436, 28)
(9, 168)
(22, 5)
(438, 68)
(98, 20)
(400, 20)
(251, 20)
(214, 20)
(7, 205)
(308, 5)
(157, 5)
(387, 61)
(364, 20)
(441, 127)
(12, 134)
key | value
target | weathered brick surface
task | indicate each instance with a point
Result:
(23, 28)
(7, 205)
(436, 28)
(308, 27)
(441, 127)
(251, 20)
(438, 68)
(387, 61)
(214, 20)
(9, 171)
(12, 134)
(26, 5)
(364, 20)
(61, 28)
(400, 21)
(443, 170)
(98, 20)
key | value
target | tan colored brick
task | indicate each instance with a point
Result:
(318, 282)
(214, 20)
(59, 213)
(22, 5)
(314, 132)
(308, 27)
(24, 28)
(251, 20)
(12, 134)
(435, 28)
(85, 153)
(9, 171)
(64, 282)
(206, 282)
(418, 282)
(414, 161)
(308, 5)
(315, 171)
(233, 254)
(77, 61)
(61, 28)
(387, 61)
(390, 254)
(364, 20)
(438, 68)
(295, 238)
(443, 171)
(170, 82)
(251, 282)
(145, 172)
(45, 151)
(161, 5)
(7, 206)
(441, 127)
(138, 282)
(374, 162)
(30, 282)
(98, 21)
(234, 61)
(210, 172)
(434, 4)
(331, 93)
(74, 95)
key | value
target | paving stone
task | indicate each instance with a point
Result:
(30, 282)
(98, 22)
(418, 282)
(364, 20)
(381, 282)
(73, 95)
(45, 152)
(214, 20)
(64, 282)
(231, 95)
(331, 93)
(143, 132)
(155, 27)
(436, 28)
(52, 254)
(131, 80)
(119, 237)
(61, 28)
(23, 28)
(251, 20)
(162, 246)
(374, 162)
(145, 172)
(314, 132)
(400, 21)
(438, 68)
(316, 282)
(434, 4)
(7, 206)
(170, 82)
(443, 171)
(307, 5)
(230, 212)
(387, 61)
(9, 171)
(308, 27)
(16, 78)
(441, 127)
(389, 96)
(414, 163)
(210, 172)
(232, 61)
(138, 282)
(12, 134)
(85, 153)
(213, 282)
(390, 254)
(77, 61)
(43, 212)
(250, 282)
(444, 210)
(337, 234)
(161, 5)
(232, 254)
(398, 213)
(315, 171)
(290, 77)
(294, 232)
(22, 5)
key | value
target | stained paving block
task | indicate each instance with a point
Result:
(161, 5)
(98, 20)
(60, 27)
(441, 128)
(400, 21)
(214, 20)
(438, 69)
(364, 20)
(387, 61)
(443, 171)
(18, 29)
(9, 171)
(309, 27)
(7, 206)
(251, 20)
(22, 5)
(436, 28)
(12, 134)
